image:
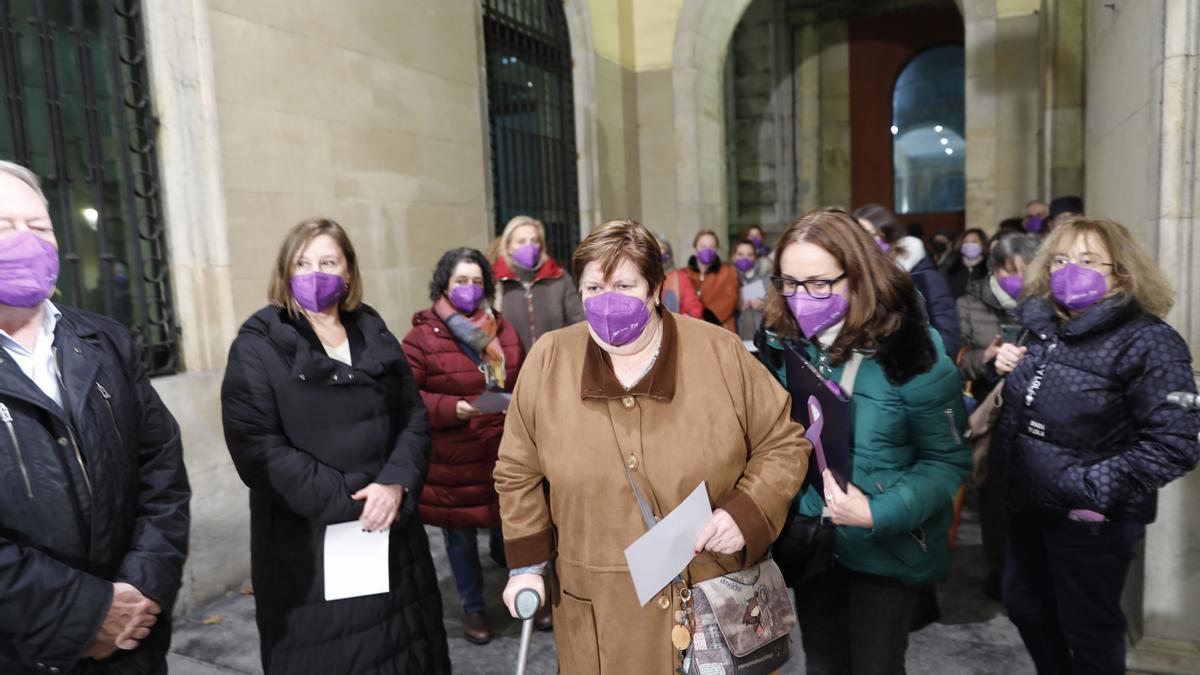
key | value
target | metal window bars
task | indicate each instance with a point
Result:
(77, 110)
(531, 118)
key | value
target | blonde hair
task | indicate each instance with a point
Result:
(279, 292)
(1136, 274)
(513, 224)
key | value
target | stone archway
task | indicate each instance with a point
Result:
(701, 42)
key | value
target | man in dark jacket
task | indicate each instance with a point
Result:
(94, 496)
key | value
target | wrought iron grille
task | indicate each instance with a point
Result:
(77, 111)
(531, 118)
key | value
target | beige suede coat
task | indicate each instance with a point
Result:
(707, 411)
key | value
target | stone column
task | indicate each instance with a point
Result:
(1063, 93)
(1169, 639)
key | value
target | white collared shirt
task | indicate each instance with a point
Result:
(39, 364)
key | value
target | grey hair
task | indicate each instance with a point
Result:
(25, 176)
(1010, 246)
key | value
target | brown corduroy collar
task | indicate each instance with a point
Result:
(599, 380)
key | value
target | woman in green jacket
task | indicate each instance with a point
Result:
(859, 322)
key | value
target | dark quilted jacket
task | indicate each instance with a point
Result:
(71, 524)
(1085, 422)
(459, 491)
(305, 432)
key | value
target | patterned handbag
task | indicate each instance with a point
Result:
(742, 623)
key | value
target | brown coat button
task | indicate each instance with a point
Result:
(632, 463)
(664, 602)
(627, 401)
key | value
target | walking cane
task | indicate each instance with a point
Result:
(527, 603)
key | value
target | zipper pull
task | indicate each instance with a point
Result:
(5, 415)
(103, 392)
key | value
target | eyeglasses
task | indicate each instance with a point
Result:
(1086, 260)
(817, 289)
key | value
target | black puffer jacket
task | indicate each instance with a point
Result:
(1085, 422)
(305, 433)
(116, 511)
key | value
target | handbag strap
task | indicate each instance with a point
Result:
(647, 514)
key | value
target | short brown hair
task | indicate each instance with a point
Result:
(618, 240)
(279, 292)
(1136, 274)
(701, 233)
(880, 288)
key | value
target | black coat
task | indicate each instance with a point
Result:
(939, 305)
(116, 511)
(1085, 422)
(305, 433)
(958, 275)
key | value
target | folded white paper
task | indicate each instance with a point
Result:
(661, 554)
(755, 290)
(750, 346)
(493, 401)
(356, 562)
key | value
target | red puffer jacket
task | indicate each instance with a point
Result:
(459, 491)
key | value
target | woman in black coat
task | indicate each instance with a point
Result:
(326, 426)
(909, 253)
(1085, 439)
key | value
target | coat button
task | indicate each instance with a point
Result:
(632, 463)
(78, 350)
(436, 330)
(53, 670)
(627, 401)
(62, 441)
(350, 376)
(664, 602)
(302, 377)
(335, 379)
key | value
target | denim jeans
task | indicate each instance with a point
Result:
(462, 548)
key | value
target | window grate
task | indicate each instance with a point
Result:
(531, 118)
(78, 112)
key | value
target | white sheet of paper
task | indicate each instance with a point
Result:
(661, 554)
(750, 346)
(493, 401)
(755, 290)
(356, 562)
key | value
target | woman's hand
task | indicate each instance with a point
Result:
(720, 535)
(382, 507)
(518, 583)
(992, 350)
(850, 508)
(756, 304)
(1008, 357)
(465, 411)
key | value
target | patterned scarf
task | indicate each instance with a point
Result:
(478, 334)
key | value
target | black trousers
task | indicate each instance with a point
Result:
(1062, 586)
(854, 624)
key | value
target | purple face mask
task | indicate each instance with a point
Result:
(527, 256)
(466, 298)
(706, 255)
(1077, 287)
(316, 291)
(1011, 285)
(757, 241)
(617, 319)
(815, 315)
(743, 264)
(28, 270)
(972, 250)
(883, 245)
(1034, 224)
